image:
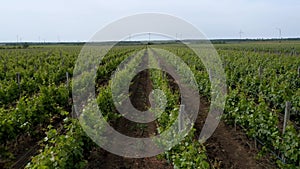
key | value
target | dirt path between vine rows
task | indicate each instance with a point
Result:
(227, 147)
(140, 90)
(26, 146)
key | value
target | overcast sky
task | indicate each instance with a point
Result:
(78, 20)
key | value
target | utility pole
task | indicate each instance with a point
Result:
(241, 34)
(279, 31)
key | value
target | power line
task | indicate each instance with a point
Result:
(279, 31)
(240, 33)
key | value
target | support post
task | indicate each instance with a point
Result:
(18, 79)
(181, 125)
(67, 75)
(286, 115)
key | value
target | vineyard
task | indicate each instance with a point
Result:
(39, 127)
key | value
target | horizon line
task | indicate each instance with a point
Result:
(154, 40)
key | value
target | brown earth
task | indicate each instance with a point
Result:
(226, 148)
(229, 147)
(99, 158)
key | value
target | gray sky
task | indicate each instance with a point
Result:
(78, 20)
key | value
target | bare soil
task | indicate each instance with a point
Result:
(226, 148)
(229, 147)
(99, 158)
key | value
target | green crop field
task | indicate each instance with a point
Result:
(39, 127)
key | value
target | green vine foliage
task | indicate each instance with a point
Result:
(256, 101)
(61, 151)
